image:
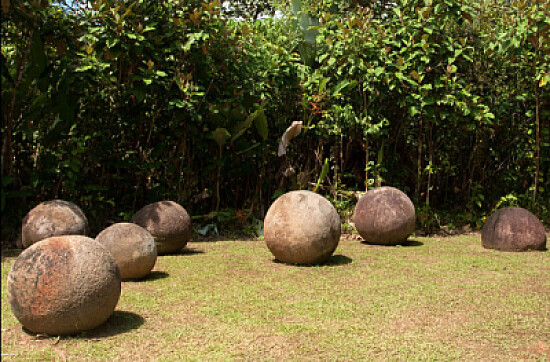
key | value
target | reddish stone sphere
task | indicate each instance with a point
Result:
(302, 227)
(52, 218)
(168, 222)
(513, 229)
(63, 285)
(133, 248)
(385, 216)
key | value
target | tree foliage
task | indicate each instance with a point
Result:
(113, 104)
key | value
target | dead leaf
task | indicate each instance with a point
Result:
(291, 132)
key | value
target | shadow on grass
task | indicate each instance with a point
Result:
(184, 251)
(152, 276)
(412, 243)
(11, 253)
(407, 243)
(334, 260)
(118, 323)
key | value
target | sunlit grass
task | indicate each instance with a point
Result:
(436, 299)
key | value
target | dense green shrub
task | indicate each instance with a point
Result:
(113, 104)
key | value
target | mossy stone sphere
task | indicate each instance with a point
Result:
(385, 216)
(302, 227)
(52, 218)
(513, 229)
(169, 224)
(133, 248)
(63, 285)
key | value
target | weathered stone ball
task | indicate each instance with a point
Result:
(385, 216)
(52, 218)
(513, 229)
(168, 222)
(302, 227)
(133, 248)
(63, 285)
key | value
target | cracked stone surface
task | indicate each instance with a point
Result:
(513, 229)
(133, 248)
(302, 227)
(63, 285)
(385, 216)
(168, 222)
(52, 218)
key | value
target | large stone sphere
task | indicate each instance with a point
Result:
(302, 227)
(52, 218)
(385, 216)
(168, 222)
(513, 229)
(133, 248)
(63, 285)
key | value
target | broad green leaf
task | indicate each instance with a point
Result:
(221, 135)
(261, 125)
(380, 158)
(323, 85)
(38, 60)
(413, 111)
(83, 68)
(324, 173)
(241, 127)
(342, 85)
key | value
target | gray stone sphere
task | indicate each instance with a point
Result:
(513, 229)
(385, 216)
(52, 218)
(302, 227)
(168, 222)
(63, 285)
(133, 248)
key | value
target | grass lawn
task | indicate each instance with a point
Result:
(436, 299)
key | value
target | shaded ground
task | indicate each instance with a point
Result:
(438, 298)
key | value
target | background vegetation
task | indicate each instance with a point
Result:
(114, 104)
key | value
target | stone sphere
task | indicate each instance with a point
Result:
(302, 227)
(52, 218)
(513, 229)
(63, 285)
(133, 248)
(168, 222)
(385, 216)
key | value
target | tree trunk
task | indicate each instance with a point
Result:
(9, 117)
(419, 159)
(366, 162)
(537, 142)
(430, 164)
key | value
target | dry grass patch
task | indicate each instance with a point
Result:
(229, 300)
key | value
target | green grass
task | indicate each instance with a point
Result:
(439, 299)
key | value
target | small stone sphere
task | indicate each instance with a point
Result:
(385, 216)
(168, 222)
(63, 285)
(513, 229)
(133, 248)
(302, 227)
(52, 218)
